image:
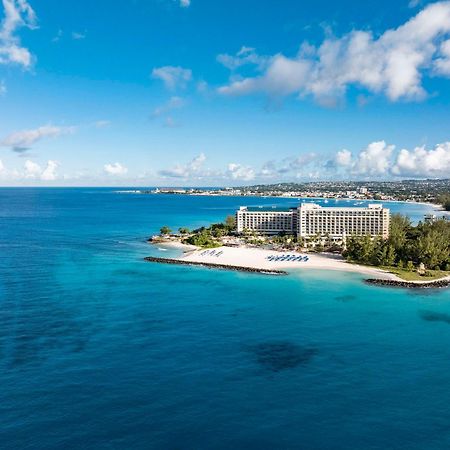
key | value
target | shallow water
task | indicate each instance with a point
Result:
(99, 349)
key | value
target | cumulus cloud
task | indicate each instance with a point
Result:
(343, 158)
(240, 172)
(375, 159)
(421, 162)
(49, 173)
(173, 77)
(115, 169)
(185, 3)
(20, 141)
(34, 171)
(379, 159)
(18, 14)
(392, 64)
(2, 167)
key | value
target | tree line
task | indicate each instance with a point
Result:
(407, 247)
(444, 200)
(206, 237)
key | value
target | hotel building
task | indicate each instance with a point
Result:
(310, 219)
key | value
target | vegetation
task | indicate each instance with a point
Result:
(209, 237)
(415, 276)
(425, 246)
(165, 230)
(444, 200)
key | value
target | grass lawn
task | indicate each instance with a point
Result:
(414, 276)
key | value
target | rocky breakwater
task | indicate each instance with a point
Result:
(215, 266)
(443, 283)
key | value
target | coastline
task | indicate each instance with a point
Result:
(255, 258)
(252, 259)
(434, 206)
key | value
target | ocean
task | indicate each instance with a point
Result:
(100, 349)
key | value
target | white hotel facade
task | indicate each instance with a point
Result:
(310, 219)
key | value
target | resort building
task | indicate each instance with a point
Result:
(311, 220)
(265, 221)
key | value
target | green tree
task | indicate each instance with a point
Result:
(409, 266)
(230, 223)
(165, 230)
(444, 200)
(400, 227)
(183, 230)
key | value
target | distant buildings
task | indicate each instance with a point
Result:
(310, 220)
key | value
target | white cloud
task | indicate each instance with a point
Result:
(173, 103)
(23, 139)
(173, 77)
(379, 159)
(18, 14)
(78, 35)
(343, 158)
(374, 160)
(49, 173)
(3, 89)
(246, 55)
(193, 169)
(240, 172)
(115, 169)
(288, 167)
(442, 64)
(32, 169)
(392, 64)
(185, 3)
(421, 162)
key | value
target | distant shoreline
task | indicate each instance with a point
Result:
(435, 206)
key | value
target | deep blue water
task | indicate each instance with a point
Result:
(99, 349)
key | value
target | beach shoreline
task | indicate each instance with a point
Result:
(256, 258)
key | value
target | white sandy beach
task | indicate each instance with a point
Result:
(257, 259)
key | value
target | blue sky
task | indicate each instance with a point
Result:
(201, 92)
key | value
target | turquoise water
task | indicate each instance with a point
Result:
(99, 349)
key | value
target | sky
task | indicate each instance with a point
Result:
(223, 92)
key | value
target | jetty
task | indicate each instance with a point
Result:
(214, 265)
